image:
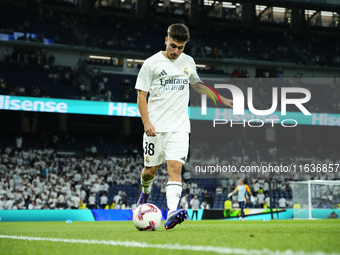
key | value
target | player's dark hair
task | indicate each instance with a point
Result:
(179, 32)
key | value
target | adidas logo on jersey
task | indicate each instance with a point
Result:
(163, 73)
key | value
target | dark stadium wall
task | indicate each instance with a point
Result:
(132, 127)
(2, 50)
(312, 72)
(81, 126)
(67, 58)
(71, 56)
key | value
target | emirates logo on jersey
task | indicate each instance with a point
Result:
(174, 84)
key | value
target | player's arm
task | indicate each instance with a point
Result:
(233, 192)
(252, 199)
(202, 88)
(143, 110)
(248, 190)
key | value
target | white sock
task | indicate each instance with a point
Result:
(146, 185)
(173, 195)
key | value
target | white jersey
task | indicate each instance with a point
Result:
(168, 83)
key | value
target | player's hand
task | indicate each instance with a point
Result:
(230, 194)
(228, 102)
(149, 129)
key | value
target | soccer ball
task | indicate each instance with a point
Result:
(147, 217)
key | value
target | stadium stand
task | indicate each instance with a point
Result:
(35, 174)
(128, 34)
(44, 80)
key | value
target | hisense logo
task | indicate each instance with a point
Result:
(123, 109)
(6, 103)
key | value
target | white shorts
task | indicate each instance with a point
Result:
(165, 146)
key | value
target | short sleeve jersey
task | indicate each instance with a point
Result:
(242, 189)
(168, 82)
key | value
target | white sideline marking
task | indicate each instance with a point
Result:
(221, 250)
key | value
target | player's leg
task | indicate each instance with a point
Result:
(244, 206)
(153, 157)
(147, 177)
(176, 150)
(241, 203)
(173, 195)
(174, 185)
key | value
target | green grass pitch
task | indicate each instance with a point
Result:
(307, 236)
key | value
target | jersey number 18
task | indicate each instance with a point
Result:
(149, 149)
